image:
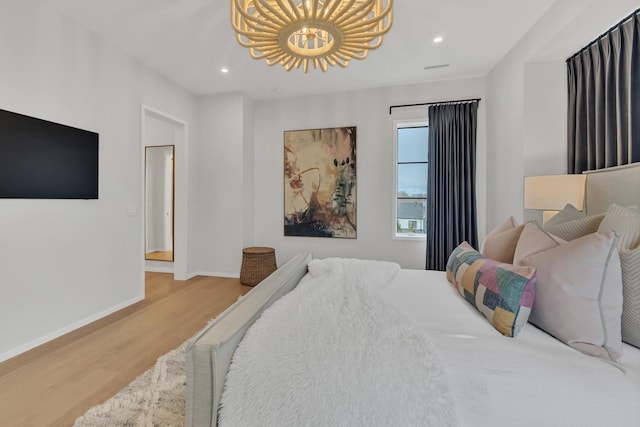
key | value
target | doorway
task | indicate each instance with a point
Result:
(164, 192)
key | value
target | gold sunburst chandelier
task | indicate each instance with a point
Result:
(296, 33)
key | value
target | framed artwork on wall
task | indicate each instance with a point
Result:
(320, 182)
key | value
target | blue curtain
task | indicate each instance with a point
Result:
(451, 201)
(604, 100)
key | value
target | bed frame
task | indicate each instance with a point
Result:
(209, 353)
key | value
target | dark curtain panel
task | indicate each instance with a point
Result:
(604, 100)
(451, 201)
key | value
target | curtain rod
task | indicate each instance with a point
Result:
(606, 33)
(458, 101)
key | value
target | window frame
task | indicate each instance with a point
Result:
(399, 124)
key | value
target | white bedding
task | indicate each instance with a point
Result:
(530, 380)
(333, 353)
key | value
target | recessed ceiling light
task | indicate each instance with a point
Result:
(438, 39)
(224, 70)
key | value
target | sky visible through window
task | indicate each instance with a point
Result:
(412, 148)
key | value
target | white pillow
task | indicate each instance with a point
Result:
(625, 223)
(579, 294)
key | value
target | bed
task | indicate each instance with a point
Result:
(425, 354)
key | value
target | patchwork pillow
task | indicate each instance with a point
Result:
(502, 292)
(579, 294)
(500, 243)
(533, 239)
(570, 223)
(625, 223)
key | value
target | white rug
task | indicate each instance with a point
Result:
(155, 398)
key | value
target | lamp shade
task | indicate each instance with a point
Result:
(553, 192)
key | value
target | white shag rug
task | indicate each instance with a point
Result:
(155, 398)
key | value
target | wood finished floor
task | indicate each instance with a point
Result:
(159, 256)
(55, 383)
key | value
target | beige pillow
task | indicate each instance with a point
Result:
(500, 243)
(568, 213)
(630, 261)
(575, 228)
(625, 223)
(579, 294)
(533, 239)
(570, 223)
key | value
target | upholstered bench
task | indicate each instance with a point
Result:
(209, 352)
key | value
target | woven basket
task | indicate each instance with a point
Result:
(257, 263)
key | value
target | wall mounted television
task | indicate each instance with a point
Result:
(40, 159)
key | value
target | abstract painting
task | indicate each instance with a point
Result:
(320, 182)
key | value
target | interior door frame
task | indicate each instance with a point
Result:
(180, 220)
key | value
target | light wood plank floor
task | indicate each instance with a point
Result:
(55, 383)
(159, 256)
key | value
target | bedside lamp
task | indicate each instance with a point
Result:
(550, 193)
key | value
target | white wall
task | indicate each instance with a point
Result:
(527, 101)
(64, 263)
(248, 176)
(224, 197)
(369, 111)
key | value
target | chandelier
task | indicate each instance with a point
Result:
(296, 33)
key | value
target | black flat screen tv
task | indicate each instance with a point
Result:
(45, 160)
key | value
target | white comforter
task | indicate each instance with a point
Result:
(532, 380)
(333, 353)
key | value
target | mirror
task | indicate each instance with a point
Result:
(159, 188)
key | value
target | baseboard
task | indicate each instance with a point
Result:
(60, 332)
(191, 276)
(153, 269)
(194, 274)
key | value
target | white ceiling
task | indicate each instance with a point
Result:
(188, 41)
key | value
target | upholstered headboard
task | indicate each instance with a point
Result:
(620, 184)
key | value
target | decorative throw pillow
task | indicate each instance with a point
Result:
(503, 293)
(579, 294)
(570, 223)
(533, 239)
(500, 243)
(630, 261)
(505, 225)
(570, 230)
(625, 223)
(568, 213)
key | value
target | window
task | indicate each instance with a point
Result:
(411, 179)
